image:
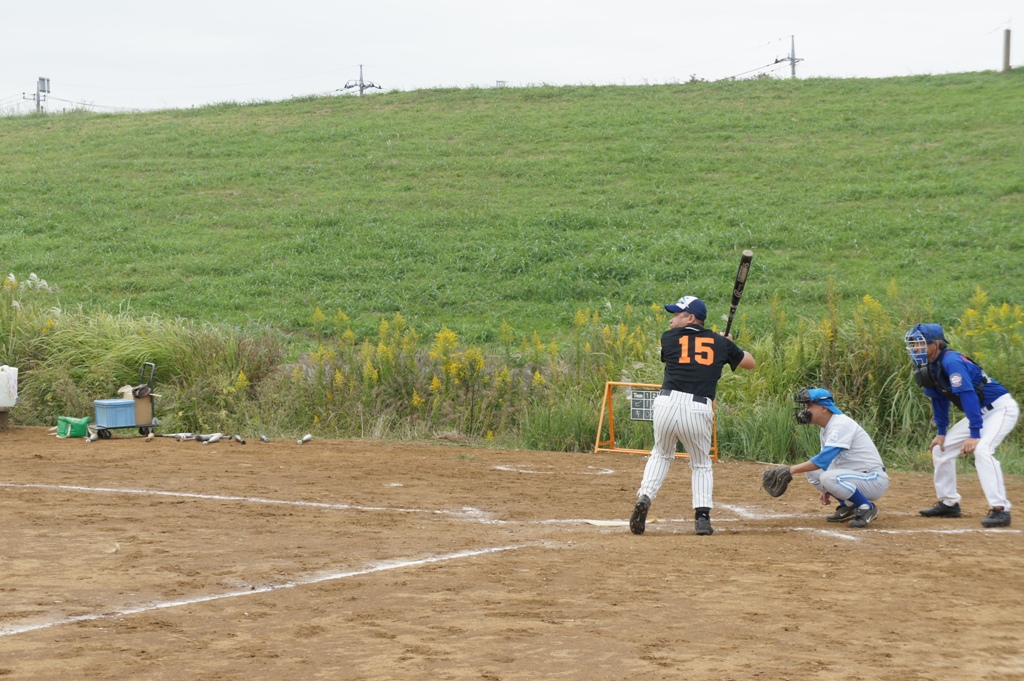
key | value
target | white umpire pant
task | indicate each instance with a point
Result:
(842, 483)
(677, 418)
(997, 422)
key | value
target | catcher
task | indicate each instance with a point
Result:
(848, 466)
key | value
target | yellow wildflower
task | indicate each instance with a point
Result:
(445, 342)
(506, 333)
(410, 340)
(538, 344)
(370, 373)
(503, 379)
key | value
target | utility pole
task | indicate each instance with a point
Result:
(792, 56)
(1006, 51)
(42, 88)
(363, 85)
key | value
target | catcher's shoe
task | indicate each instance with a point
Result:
(941, 510)
(996, 517)
(863, 516)
(703, 526)
(842, 514)
(638, 521)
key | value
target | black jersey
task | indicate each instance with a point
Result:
(694, 357)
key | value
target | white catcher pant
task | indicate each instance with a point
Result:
(677, 418)
(842, 483)
(996, 425)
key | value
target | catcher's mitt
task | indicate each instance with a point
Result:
(776, 480)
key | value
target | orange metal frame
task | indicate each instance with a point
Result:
(606, 406)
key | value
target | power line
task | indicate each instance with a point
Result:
(211, 87)
(766, 66)
(95, 106)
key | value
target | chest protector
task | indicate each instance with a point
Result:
(936, 378)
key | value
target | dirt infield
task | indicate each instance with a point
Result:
(369, 560)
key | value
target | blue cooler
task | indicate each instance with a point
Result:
(114, 413)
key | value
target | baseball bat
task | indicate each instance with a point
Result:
(737, 287)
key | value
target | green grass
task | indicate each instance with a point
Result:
(466, 207)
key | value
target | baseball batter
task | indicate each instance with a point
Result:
(683, 412)
(848, 466)
(990, 413)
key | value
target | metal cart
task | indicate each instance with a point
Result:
(142, 407)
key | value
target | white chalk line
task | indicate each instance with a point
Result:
(749, 514)
(514, 469)
(379, 567)
(465, 511)
(477, 515)
(965, 530)
(827, 533)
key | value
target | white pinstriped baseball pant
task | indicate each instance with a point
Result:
(996, 424)
(677, 418)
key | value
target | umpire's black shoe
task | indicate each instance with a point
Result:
(638, 521)
(996, 517)
(703, 526)
(941, 510)
(842, 514)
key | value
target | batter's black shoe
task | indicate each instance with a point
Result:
(996, 517)
(638, 521)
(941, 510)
(842, 514)
(703, 526)
(863, 516)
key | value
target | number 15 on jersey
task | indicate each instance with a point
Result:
(703, 350)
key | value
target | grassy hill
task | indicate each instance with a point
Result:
(466, 207)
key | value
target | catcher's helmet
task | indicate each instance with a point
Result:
(918, 338)
(815, 395)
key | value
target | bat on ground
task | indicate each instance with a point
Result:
(737, 288)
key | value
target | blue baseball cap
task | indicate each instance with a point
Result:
(931, 332)
(691, 304)
(818, 396)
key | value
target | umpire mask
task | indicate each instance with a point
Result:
(918, 338)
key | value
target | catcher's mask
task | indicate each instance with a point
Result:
(918, 338)
(801, 412)
(808, 395)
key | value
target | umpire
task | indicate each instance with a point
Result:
(683, 412)
(990, 413)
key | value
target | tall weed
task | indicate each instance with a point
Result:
(525, 390)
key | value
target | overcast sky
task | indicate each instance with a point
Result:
(132, 54)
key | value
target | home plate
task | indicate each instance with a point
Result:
(608, 523)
